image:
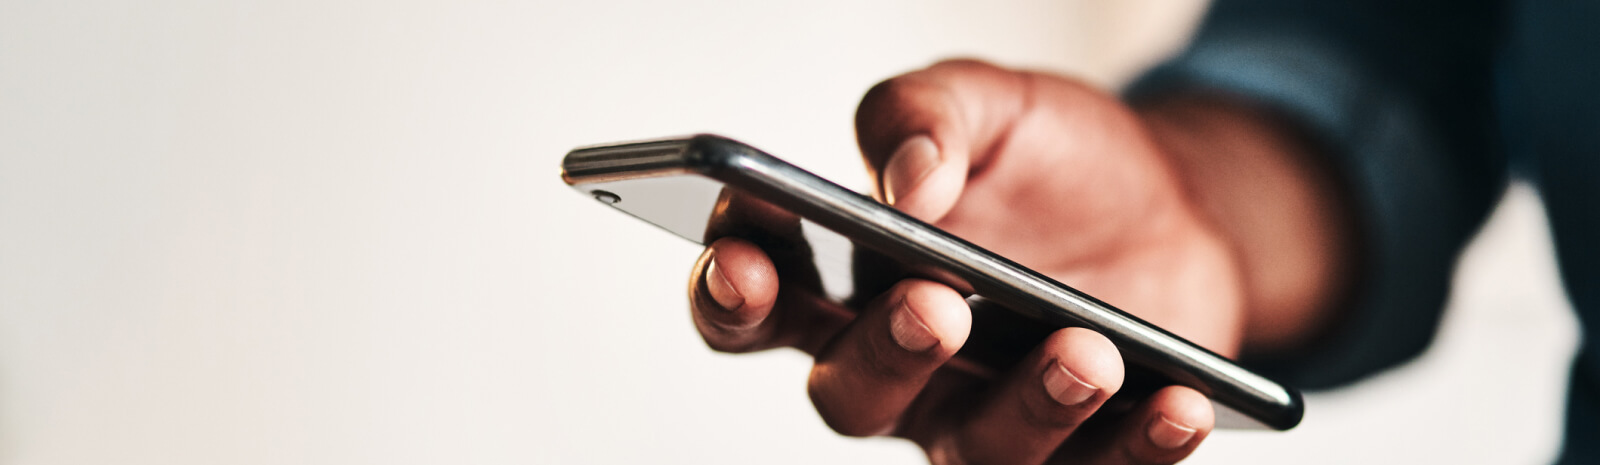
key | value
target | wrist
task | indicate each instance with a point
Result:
(1256, 180)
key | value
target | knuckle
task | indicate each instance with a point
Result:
(884, 98)
(726, 344)
(836, 413)
(850, 426)
(727, 339)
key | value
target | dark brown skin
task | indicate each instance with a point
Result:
(1202, 215)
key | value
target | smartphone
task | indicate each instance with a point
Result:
(846, 247)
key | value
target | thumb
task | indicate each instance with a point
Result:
(924, 133)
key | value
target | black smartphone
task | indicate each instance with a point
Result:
(847, 247)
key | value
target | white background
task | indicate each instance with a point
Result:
(327, 232)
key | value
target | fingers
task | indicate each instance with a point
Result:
(864, 380)
(1041, 402)
(923, 132)
(1165, 428)
(868, 374)
(731, 296)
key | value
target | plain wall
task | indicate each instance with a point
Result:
(329, 232)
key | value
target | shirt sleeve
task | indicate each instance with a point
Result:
(1398, 95)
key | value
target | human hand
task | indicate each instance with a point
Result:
(1051, 173)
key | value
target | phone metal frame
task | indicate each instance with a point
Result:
(893, 233)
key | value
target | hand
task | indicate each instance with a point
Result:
(1053, 174)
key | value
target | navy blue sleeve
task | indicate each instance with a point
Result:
(1398, 96)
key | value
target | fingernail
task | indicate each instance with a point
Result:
(1168, 434)
(1065, 387)
(909, 331)
(915, 158)
(721, 289)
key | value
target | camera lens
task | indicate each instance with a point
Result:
(605, 197)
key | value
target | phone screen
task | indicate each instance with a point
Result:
(702, 210)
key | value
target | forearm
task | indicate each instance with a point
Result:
(1258, 181)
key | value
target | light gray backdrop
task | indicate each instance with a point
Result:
(331, 232)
